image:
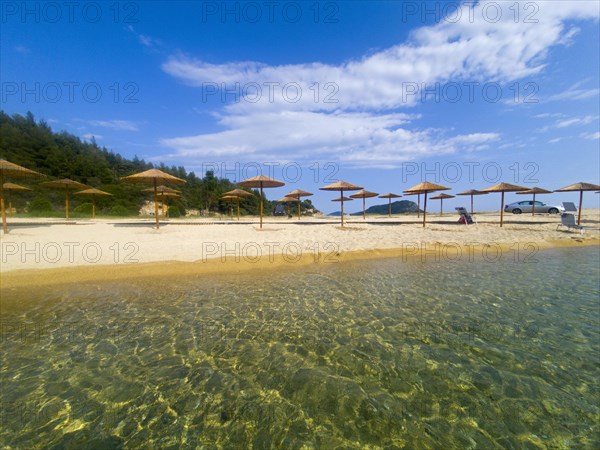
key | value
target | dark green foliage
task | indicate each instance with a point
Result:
(84, 209)
(398, 207)
(174, 211)
(119, 210)
(34, 145)
(40, 205)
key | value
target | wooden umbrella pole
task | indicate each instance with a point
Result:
(424, 209)
(93, 207)
(472, 212)
(342, 197)
(261, 203)
(364, 210)
(418, 205)
(533, 206)
(67, 203)
(298, 206)
(4, 224)
(162, 206)
(580, 205)
(441, 206)
(238, 203)
(390, 207)
(156, 205)
(502, 208)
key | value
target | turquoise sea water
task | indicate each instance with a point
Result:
(376, 354)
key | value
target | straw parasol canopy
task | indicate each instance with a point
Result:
(579, 187)
(288, 200)
(66, 184)
(502, 188)
(232, 198)
(13, 187)
(11, 170)
(472, 192)
(341, 186)
(364, 194)
(164, 192)
(165, 196)
(162, 189)
(441, 198)
(425, 188)
(236, 195)
(390, 196)
(297, 194)
(534, 190)
(93, 192)
(418, 194)
(261, 182)
(154, 177)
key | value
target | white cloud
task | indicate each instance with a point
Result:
(576, 121)
(575, 92)
(22, 49)
(570, 122)
(147, 41)
(547, 115)
(89, 136)
(354, 138)
(122, 125)
(361, 123)
(593, 136)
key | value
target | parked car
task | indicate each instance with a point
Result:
(527, 205)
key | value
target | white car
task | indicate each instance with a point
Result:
(527, 206)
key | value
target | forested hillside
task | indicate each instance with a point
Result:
(33, 144)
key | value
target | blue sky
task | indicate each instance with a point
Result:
(383, 94)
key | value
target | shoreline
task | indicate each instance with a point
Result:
(524, 252)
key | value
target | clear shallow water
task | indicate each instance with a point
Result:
(377, 354)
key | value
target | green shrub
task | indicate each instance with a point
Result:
(84, 208)
(40, 205)
(119, 210)
(174, 211)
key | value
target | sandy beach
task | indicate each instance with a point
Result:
(49, 251)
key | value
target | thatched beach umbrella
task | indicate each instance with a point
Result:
(534, 190)
(472, 193)
(390, 196)
(153, 176)
(232, 198)
(425, 188)
(11, 170)
(93, 193)
(441, 198)
(364, 195)
(164, 197)
(579, 187)
(502, 188)
(297, 194)
(236, 194)
(161, 191)
(418, 194)
(65, 184)
(261, 182)
(342, 199)
(341, 186)
(15, 188)
(288, 200)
